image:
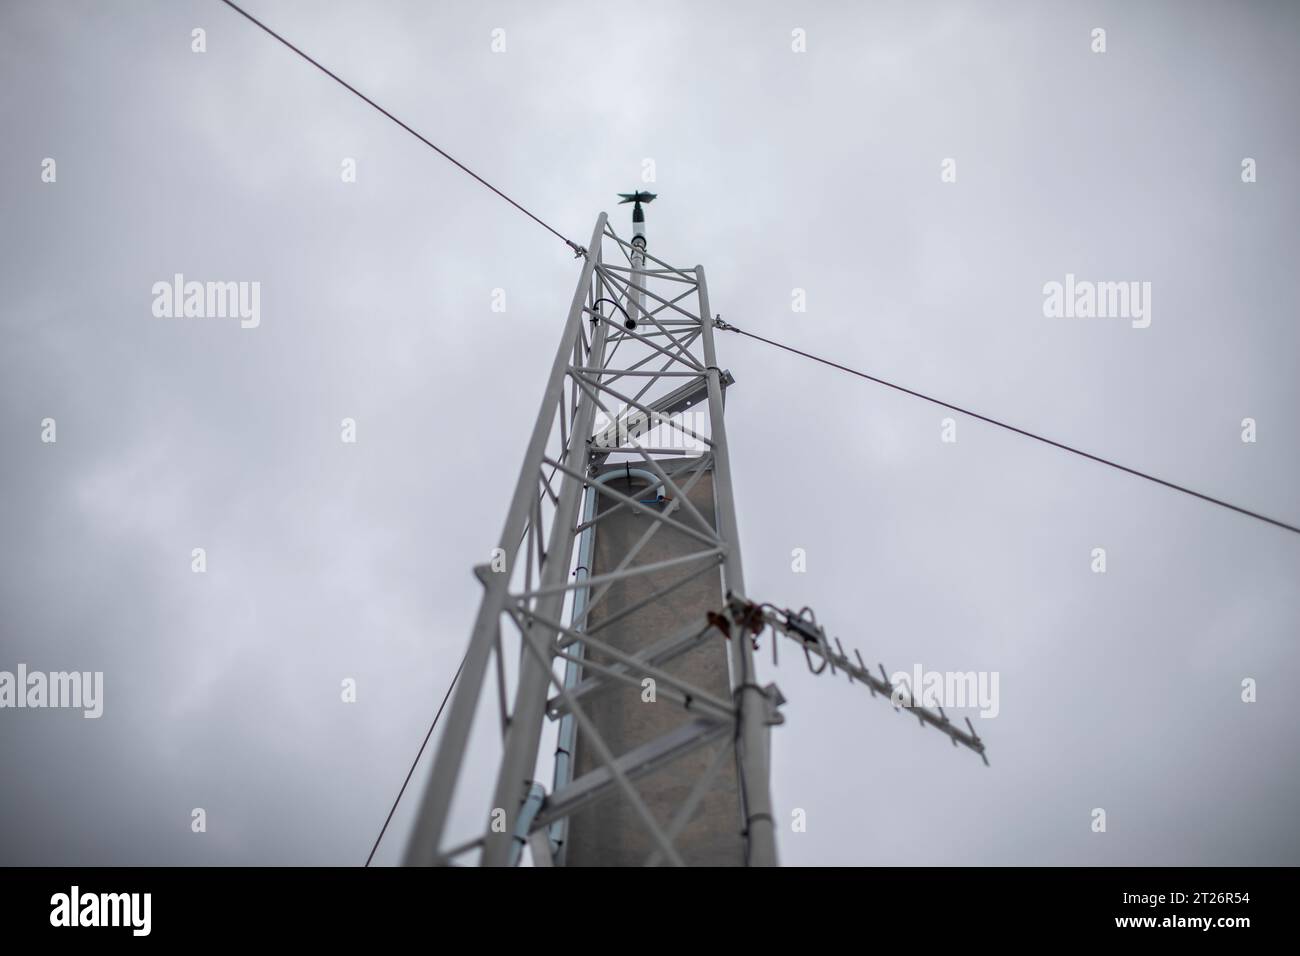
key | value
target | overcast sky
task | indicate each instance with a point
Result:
(777, 170)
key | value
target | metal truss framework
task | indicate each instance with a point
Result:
(637, 350)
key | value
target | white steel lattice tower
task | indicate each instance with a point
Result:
(605, 618)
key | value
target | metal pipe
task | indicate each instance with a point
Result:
(751, 738)
(637, 303)
(536, 797)
(563, 775)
